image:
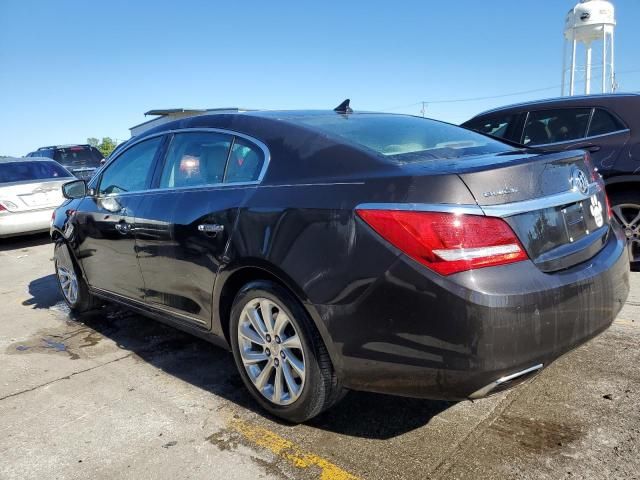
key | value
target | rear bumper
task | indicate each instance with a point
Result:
(13, 224)
(417, 334)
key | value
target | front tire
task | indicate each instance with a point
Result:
(279, 353)
(626, 212)
(71, 283)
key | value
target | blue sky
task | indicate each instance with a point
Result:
(76, 69)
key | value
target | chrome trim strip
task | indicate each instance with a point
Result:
(557, 200)
(486, 390)
(461, 209)
(148, 306)
(578, 141)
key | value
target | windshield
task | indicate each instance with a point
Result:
(76, 157)
(396, 136)
(28, 171)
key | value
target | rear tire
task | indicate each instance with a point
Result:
(282, 360)
(71, 283)
(626, 212)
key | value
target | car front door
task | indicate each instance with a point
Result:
(184, 225)
(105, 222)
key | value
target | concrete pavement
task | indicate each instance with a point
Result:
(115, 395)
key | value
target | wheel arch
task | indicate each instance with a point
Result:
(622, 183)
(229, 283)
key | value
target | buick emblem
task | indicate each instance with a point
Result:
(579, 181)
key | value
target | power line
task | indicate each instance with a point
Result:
(425, 103)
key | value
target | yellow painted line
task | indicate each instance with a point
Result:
(623, 321)
(286, 449)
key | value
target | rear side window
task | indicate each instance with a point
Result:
(496, 126)
(132, 170)
(195, 159)
(30, 170)
(245, 162)
(42, 153)
(603, 122)
(76, 157)
(553, 126)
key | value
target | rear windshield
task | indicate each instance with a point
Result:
(27, 171)
(397, 136)
(76, 157)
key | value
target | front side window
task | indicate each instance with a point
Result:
(496, 126)
(195, 159)
(554, 126)
(603, 122)
(131, 171)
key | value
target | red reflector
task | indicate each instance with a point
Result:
(608, 204)
(2, 208)
(446, 242)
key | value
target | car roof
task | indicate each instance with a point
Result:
(66, 146)
(599, 99)
(24, 159)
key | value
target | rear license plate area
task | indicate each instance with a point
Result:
(575, 222)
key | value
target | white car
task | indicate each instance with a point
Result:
(30, 190)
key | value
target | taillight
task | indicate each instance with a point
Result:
(593, 172)
(2, 208)
(446, 242)
(608, 204)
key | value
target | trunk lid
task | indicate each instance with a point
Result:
(25, 196)
(554, 202)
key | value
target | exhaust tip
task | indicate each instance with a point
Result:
(506, 382)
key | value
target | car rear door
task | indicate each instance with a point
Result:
(593, 129)
(105, 221)
(185, 224)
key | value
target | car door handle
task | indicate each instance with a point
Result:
(210, 228)
(123, 228)
(594, 148)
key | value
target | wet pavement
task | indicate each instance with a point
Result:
(115, 395)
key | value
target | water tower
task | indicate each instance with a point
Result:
(589, 29)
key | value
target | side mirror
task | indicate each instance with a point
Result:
(75, 189)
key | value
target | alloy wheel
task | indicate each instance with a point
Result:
(68, 282)
(271, 351)
(628, 217)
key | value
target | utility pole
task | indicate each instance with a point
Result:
(424, 108)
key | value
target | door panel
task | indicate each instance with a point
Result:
(105, 222)
(107, 244)
(182, 238)
(184, 226)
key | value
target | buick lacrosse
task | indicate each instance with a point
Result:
(333, 250)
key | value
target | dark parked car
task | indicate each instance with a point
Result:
(332, 250)
(608, 126)
(81, 160)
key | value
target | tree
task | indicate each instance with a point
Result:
(106, 146)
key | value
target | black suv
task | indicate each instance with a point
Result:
(608, 126)
(81, 160)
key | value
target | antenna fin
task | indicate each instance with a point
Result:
(344, 107)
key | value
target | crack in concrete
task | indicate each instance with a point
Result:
(66, 377)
